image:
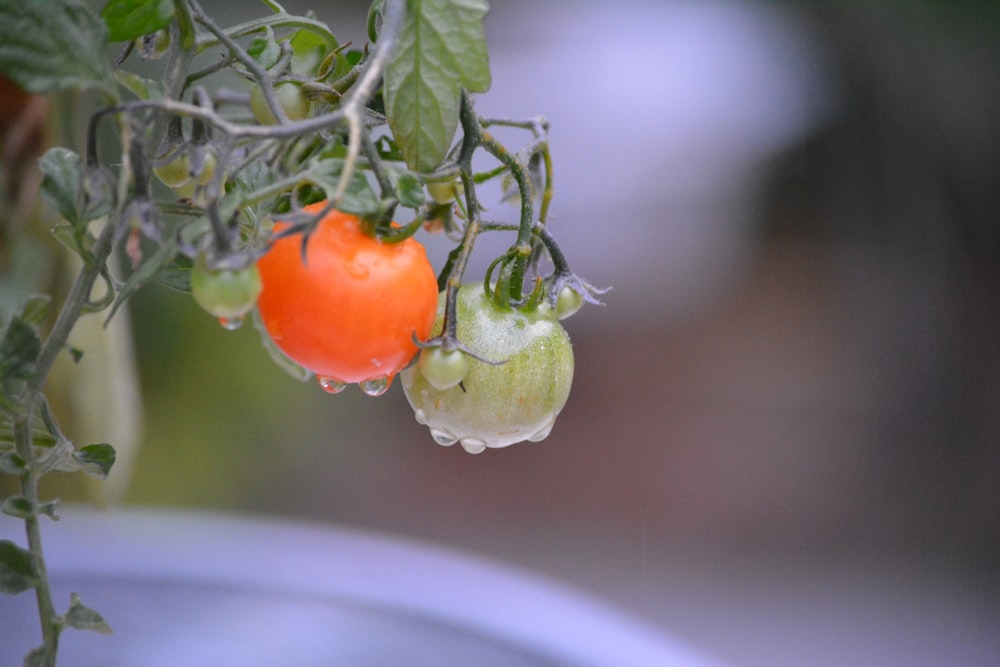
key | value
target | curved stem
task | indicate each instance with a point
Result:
(353, 108)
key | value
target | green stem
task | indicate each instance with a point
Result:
(522, 246)
(76, 301)
(29, 491)
(276, 21)
(471, 138)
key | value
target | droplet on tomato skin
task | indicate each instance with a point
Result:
(443, 437)
(375, 387)
(331, 386)
(474, 445)
(231, 323)
(543, 432)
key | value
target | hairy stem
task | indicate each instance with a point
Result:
(76, 301)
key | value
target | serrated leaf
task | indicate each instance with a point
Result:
(63, 172)
(18, 507)
(40, 657)
(18, 351)
(410, 190)
(177, 274)
(95, 460)
(359, 198)
(53, 45)
(17, 568)
(82, 617)
(441, 50)
(128, 19)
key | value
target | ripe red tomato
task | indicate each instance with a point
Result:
(350, 312)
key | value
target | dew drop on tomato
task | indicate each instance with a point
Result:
(375, 387)
(474, 445)
(443, 437)
(543, 432)
(231, 323)
(331, 386)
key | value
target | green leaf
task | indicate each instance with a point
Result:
(53, 45)
(441, 50)
(18, 507)
(265, 50)
(49, 509)
(18, 351)
(17, 568)
(128, 19)
(410, 190)
(84, 618)
(308, 49)
(96, 459)
(35, 309)
(12, 464)
(63, 172)
(359, 199)
(177, 274)
(40, 657)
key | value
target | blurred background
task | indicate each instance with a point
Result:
(783, 440)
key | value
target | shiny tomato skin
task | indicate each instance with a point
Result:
(497, 405)
(350, 312)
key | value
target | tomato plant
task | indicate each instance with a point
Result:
(350, 308)
(341, 291)
(496, 404)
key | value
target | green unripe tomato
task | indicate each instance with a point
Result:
(175, 173)
(290, 96)
(444, 192)
(443, 369)
(179, 176)
(568, 302)
(225, 293)
(497, 405)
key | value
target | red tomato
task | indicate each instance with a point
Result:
(350, 312)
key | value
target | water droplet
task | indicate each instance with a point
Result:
(331, 386)
(231, 323)
(543, 432)
(443, 437)
(375, 387)
(473, 445)
(420, 416)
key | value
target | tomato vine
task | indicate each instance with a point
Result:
(200, 186)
